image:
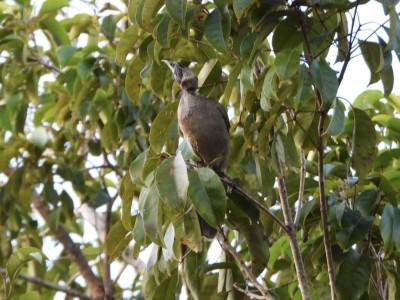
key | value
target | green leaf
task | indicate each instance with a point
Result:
(208, 195)
(187, 151)
(19, 258)
(163, 31)
(172, 183)
(336, 125)
(363, 144)
(367, 201)
(167, 288)
(387, 78)
(373, 55)
(39, 137)
(390, 222)
(217, 28)
(177, 11)
(171, 250)
(268, 91)
(125, 45)
(52, 6)
(152, 216)
(285, 28)
(64, 54)
(354, 228)
(164, 130)
(139, 234)
(117, 240)
(136, 167)
(287, 63)
(241, 6)
(326, 82)
(146, 10)
(191, 265)
(56, 30)
(257, 244)
(353, 276)
(158, 78)
(187, 230)
(109, 26)
(368, 99)
(133, 81)
(30, 296)
(127, 192)
(232, 80)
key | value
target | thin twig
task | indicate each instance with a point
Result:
(323, 203)
(294, 245)
(108, 284)
(228, 247)
(230, 184)
(248, 293)
(50, 285)
(301, 188)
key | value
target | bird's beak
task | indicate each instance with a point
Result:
(170, 64)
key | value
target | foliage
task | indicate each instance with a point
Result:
(88, 119)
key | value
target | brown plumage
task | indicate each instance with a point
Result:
(204, 122)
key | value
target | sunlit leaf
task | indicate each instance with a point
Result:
(133, 81)
(126, 43)
(287, 63)
(164, 130)
(363, 143)
(337, 121)
(172, 183)
(117, 240)
(20, 258)
(39, 137)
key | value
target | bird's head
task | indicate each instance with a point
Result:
(183, 75)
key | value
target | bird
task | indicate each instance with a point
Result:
(204, 123)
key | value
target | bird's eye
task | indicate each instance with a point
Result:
(178, 74)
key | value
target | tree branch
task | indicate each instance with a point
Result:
(294, 245)
(323, 204)
(94, 285)
(228, 247)
(231, 185)
(50, 285)
(301, 188)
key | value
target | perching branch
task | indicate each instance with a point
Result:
(94, 285)
(50, 285)
(294, 245)
(230, 185)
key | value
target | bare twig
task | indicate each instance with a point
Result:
(94, 285)
(323, 203)
(248, 293)
(108, 284)
(228, 247)
(301, 188)
(50, 285)
(294, 245)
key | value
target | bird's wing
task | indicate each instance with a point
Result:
(224, 115)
